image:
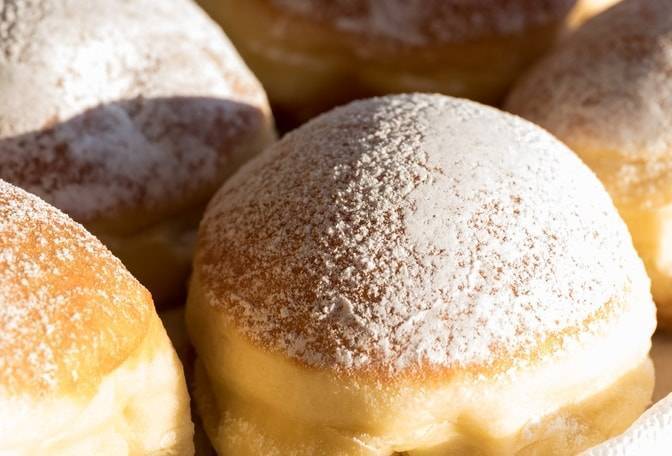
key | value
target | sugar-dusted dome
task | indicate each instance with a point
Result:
(123, 108)
(70, 313)
(416, 233)
(607, 93)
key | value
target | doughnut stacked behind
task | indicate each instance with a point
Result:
(607, 93)
(314, 54)
(127, 115)
(417, 274)
(85, 364)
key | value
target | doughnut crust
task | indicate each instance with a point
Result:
(126, 115)
(417, 274)
(359, 48)
(606, 92)
(85, 364)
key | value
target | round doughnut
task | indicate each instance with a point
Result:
(85, 364)
(650, 435)
(607, 93)
(127, 115)
(314, 54)
(418, 274)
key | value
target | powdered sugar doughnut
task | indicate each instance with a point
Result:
(417, 273)
(607, 93)
(85, 364)
(127, 115)
(314, 54)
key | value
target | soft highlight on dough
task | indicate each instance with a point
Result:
(606, 92)
(312, 55)
(125, 115)
(85, 364)
(370, 275)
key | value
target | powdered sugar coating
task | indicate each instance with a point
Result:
(650, 435)
(410, 231)
(116, 105)
(418, 22)
(607, 93)
(69, 311)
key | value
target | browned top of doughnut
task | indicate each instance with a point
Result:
(417, 22)
(69, 311)
(416, 233)
(607, 93)
(120, 107)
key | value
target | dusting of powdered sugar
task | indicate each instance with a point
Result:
(607, 93)
(413, 230)
(17, 21)
(650, 435)
(68, 308)
(136, 104)
(417, 22)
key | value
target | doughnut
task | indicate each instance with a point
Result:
(86, 367)
(314, 54)
(126, 115)
(650, 435)
(417, 274)
(607, 93)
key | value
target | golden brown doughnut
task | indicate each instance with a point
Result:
(311, 55)
(127, 115)
(607, 93)
(417, 274)
(85, 364)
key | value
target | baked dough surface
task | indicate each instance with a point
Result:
(606, 92)
(414, 271)
(85, 364)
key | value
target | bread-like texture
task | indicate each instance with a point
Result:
(359, 48)
(606, 92)
(399, 261)
(84, 360)
(122, 107)
(650, 435)
(160, 255)
(253, 402)
(126, 115)
(70, 311)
